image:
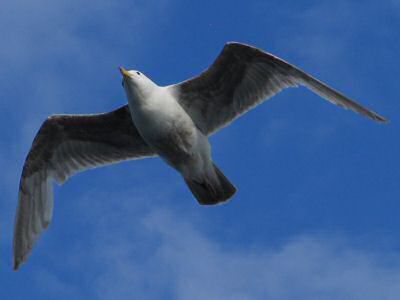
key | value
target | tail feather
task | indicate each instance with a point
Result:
(210, 189)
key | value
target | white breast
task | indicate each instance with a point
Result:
(158, 113)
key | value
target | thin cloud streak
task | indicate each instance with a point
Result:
(167, 254)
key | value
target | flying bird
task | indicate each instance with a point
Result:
(172, 122)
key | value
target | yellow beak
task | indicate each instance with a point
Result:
(124, 72)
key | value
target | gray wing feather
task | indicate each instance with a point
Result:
(65, 145)
(241, 78)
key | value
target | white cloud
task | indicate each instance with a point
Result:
(58, 56)
(303, 268)
(167, 254)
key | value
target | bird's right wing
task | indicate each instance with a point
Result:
(241, 78)
(65, 145)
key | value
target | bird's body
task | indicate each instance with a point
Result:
(164, 125)
(171, 133)
(171, 122)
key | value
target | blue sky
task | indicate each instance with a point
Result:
(316, 214)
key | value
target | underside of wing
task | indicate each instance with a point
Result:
(64, 145)
(241, 78)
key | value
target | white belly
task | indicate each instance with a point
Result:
(169, 130)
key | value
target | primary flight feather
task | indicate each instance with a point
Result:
(171, 122)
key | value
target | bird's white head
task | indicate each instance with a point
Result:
(136, 84)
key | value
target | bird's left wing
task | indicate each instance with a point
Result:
(65, 145)
(241, 78)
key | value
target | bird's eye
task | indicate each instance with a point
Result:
(138, 73)
(123, 85)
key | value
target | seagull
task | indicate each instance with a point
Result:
(172, 122)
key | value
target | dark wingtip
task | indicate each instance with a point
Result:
(384, 121)
(379, 119)
(17, 263)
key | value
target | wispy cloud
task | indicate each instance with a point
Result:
(63, 53)
(166, 254)
(62, 57)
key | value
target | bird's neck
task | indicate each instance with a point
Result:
(140, 95)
